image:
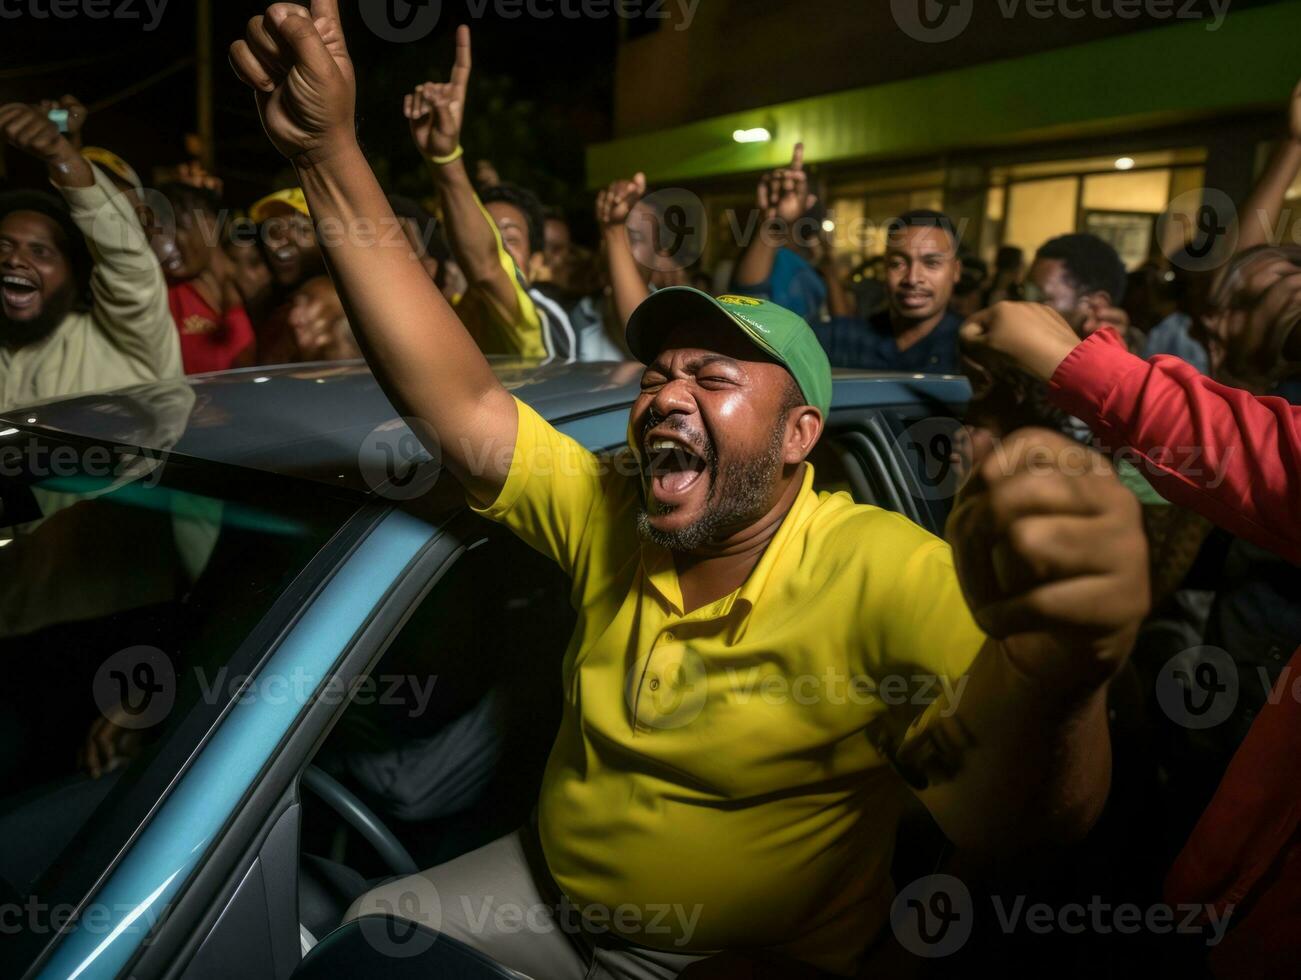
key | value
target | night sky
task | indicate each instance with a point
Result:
(541, 89)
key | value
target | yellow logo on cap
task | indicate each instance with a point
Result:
(740, 300)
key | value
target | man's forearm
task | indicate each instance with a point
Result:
(625, 277)
(425, 359)
(755, 267)
(469, 231)
(1012, 766)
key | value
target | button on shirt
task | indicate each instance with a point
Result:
(721, 760)
(871, 345)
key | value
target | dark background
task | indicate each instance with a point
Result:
(541, 91)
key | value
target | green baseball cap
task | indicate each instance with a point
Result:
(784, 336)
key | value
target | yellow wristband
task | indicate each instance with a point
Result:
(443, 161)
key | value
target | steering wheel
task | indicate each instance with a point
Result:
(361, 818)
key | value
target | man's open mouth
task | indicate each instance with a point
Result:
(674, 468)
(20, 293)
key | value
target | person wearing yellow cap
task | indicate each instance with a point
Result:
(496, 243)
(288, 241)
(83, 303)
(744, 715)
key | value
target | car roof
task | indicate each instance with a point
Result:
(319, 421)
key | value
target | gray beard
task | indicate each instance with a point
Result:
(748, 483)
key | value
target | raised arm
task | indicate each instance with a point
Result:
(436, 112)
(1229, 455)
(628, 279)
(130, 294)
(1049, 550)
(782, 198)
(1261, 212)
(298, 65)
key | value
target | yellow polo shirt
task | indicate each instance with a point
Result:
(714, 783)
(494, 328)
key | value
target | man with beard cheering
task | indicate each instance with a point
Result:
(734, 754)
(73, 320)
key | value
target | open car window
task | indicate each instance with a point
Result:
(129, 590)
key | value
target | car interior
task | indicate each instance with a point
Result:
(488, 640)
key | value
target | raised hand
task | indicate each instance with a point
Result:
(28, 129)
(1031, 336)
(783, 194)
(297, 63)
(194, 174)
(1049, 550)
(77, 114)
(436, 110)
(615, 203)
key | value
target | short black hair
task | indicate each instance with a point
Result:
(56, 209)
(924, 218)
(527, 202)
(1009, 257)
(1091, 264)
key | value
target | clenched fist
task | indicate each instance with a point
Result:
(1030, 336)
(298, 65)
(1050, 553)
(28, 129)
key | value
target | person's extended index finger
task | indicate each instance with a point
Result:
(797, 157)
(461, 67)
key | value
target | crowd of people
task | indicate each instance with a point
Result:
(1063, 598)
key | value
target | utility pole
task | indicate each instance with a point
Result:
(203, 87)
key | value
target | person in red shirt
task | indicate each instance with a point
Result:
(208, 308)
(1244, 855)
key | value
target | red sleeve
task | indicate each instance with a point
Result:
(1227, 454)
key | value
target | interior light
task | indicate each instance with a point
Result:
(828, 226)
(258, 381)
(1125, 163)
(756, 135)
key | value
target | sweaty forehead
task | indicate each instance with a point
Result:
(31, 226)
(506, 215)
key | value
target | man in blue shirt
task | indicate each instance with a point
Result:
(916, 332)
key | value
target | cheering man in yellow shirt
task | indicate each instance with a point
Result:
(735, 747)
